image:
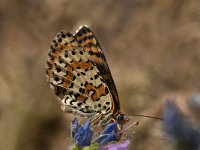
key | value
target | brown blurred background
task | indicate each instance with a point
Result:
(152, 48)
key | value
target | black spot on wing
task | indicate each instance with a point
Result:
(71, 85)
(72, 101)
(81, 90)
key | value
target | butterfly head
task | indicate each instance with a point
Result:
(122, 118)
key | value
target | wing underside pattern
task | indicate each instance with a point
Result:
(87, 40)
(78, 76)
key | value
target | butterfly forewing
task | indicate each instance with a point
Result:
(89, 42)
(75, 77)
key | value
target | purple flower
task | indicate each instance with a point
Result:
(75, 125)
(82, 135)
(183, 133)
(109, 134)
(121, 146)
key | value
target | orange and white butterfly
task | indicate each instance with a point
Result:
(79, 74)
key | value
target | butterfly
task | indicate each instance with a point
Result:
(78, 73)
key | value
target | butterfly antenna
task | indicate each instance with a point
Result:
(146, 116)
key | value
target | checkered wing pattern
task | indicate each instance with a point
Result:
(79, 75)
(87, 39)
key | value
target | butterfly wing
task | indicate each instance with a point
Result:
(88, 41)
(75, 78)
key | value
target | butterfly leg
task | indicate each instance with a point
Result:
(107, 119)
(96, 119)
(119, 126)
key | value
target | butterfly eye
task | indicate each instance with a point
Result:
(120, 117)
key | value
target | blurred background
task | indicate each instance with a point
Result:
(152, 48)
